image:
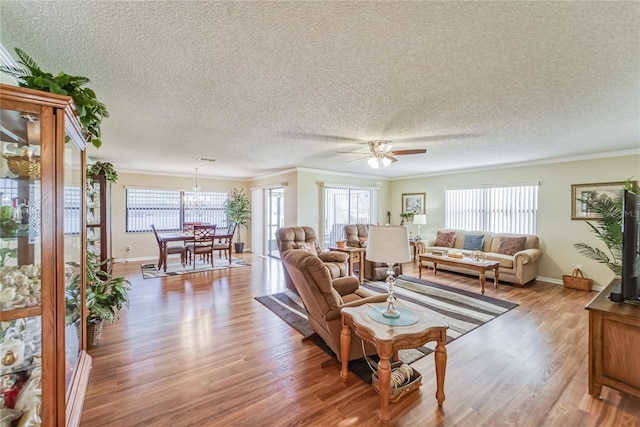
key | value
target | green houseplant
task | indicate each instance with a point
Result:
(90, 110)
(406, 216)
(608, 228)
(106, 296)
(238, 211)
(105, 168)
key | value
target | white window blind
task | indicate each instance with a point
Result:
(347, 205)
(508, 209)
(168, 209)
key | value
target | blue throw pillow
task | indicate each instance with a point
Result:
(473, 242)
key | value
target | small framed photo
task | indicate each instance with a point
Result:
(582, 193)
(413, 203)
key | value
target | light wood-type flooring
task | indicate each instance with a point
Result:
(198, 350)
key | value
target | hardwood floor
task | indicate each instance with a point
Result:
(198, 350)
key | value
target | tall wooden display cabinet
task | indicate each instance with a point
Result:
(43, 360)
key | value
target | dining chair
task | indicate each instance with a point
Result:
(224, 242)
(202, 244)
(187, 227)
(165, 250)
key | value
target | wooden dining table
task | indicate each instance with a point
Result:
(179, 236)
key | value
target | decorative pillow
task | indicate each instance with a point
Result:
(309, 248)
(445, 240)
(510, 245)
(363, 242)
(473, 242)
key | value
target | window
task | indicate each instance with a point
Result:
(168, 209)
(347, 205)
(508, 209)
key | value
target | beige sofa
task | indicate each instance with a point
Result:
(519, 268)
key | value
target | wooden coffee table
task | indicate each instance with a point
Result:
(388, 340)
(480, 266)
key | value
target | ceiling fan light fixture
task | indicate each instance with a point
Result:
(386, 161)
(373, 162)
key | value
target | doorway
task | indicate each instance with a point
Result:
(275, 218)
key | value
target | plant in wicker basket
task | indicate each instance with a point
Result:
(106, 295)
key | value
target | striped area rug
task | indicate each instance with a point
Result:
(462, 310)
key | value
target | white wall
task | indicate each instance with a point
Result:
(556, 230)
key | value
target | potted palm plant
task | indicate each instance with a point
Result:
(608, 228)
(238, 211)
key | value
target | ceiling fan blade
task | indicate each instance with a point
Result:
(405, 152)
(393, 159)
(352, 152)
(359, 158)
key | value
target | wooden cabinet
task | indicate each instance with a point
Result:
(43, 362)
(614, 345)
(98, 219)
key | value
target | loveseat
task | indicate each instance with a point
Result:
(518, 254)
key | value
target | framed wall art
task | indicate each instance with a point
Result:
(584, 192)
(413, 203)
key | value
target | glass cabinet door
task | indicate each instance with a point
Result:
(21, 282)
(73, 255)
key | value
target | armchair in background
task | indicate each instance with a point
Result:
(305, 238)
(356, 236)
(323, 297)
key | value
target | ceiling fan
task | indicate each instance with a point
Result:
(381, 153)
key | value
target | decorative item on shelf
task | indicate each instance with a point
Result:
(238, 211)
(389, 244)
(419, 220)
(341, 244)
(25, 165)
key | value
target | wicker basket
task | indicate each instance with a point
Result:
(94, 331)
(397, 393)
(577, 281)
(24, 165)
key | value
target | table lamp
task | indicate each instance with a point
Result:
(419, 220)
(389, 244)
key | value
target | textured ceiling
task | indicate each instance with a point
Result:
(266, 86)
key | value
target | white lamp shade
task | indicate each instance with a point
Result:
(373, 162)
(388, 244)
(420, 219)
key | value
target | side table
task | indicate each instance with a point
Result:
(388, 340)
(356, 255)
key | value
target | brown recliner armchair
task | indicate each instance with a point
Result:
(323, 297)
(296, 237)
(356, 236)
